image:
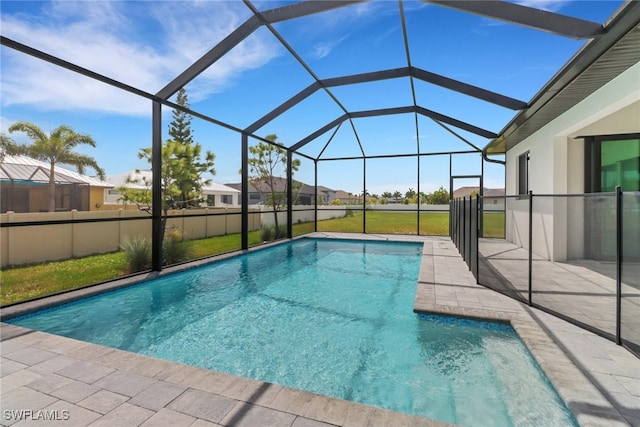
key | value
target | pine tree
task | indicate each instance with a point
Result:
(180, 126)
(183, 166)
(187, 179)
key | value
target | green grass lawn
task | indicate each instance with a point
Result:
(22, 283)
(493, 224)
(431, 223)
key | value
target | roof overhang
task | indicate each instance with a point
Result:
(596, 64)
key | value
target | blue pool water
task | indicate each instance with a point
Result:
(328, 316)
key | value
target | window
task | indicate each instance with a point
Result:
(254, 196)
(523, 173)
(612, 161)
(211, 199)
(227, 199)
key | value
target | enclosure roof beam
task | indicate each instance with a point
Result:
(397, 110)
(332, 82)
(299, 97)
(537, 19)
(383, 112)
(319, 132)
(467, 89)
(426, 76)
(456, 123)
(389, 156)
(454, 133)
(304, 8)
(217, 52)
(283, 13)
(5, 41)
(367, 77)
(428, 113)
(329, 141)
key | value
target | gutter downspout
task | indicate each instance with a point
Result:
(484, 157)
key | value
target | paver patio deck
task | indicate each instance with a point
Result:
(584, 290)
(95, 385)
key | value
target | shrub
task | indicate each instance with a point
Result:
(281, 231)
(349, 212)
(269, 233)
(266, 234)
(174, 249)
(137, 252)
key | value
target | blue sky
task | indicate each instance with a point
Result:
(148, 43)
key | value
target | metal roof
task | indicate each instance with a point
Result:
(23, 168)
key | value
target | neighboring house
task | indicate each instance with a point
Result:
(217, 195)
(259, 192)
(326, 195)
(24, 187)
(347, 198)
(491, 196)
(581, 134)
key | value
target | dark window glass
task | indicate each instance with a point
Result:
(523, 173)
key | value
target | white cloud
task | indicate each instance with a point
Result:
(144, 44)
(49, 88)
(319, 34)
(324, 48)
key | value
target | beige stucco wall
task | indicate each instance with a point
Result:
(557, 162)
(49, 242)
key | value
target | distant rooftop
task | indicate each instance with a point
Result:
(145, 175)
(26, 169)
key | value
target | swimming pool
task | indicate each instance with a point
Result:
(328, 316)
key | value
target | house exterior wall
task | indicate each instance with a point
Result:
(556, 164)
(39, 199)
(112, 198)
(96, 198)
(35, 197)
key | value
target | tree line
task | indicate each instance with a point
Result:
(438, 197)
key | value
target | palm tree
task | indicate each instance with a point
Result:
(57, 147)
(8, 147)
